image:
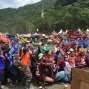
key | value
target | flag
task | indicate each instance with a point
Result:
(20, 39)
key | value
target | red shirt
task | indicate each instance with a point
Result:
(49, 57)
(72, 61)
(40, 71)
(81, 59)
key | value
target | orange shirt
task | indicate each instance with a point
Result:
(25, 59)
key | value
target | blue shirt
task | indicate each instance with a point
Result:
(34, 49)
(1, 62)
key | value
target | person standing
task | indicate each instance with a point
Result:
(25, 64)
(2, 70)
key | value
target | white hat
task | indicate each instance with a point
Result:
(71, 49)
(40, 55)
(46, 37)
(49, 40)
(43, 35)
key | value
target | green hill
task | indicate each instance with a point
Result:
(58, 14)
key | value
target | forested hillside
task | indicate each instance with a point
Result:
(58, 14)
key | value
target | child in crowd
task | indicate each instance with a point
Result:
(67, 67)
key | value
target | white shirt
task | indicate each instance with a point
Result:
(67, 65)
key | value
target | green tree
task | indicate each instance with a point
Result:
(44, 25)
(24, 26)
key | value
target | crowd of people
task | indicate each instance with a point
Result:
(23, 62)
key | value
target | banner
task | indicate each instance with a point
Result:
(47, 48)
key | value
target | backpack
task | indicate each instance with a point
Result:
(17, 58)
(16, 61)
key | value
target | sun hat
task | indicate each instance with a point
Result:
(81, 50)
(40, 55)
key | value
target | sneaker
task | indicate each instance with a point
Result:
(4, 87)
(23, 84)
(40, 83)
(12, 84)
(62, 83)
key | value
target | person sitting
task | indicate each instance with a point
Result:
(59, 75)
(2, 70)
(58, 68)
(40, 71)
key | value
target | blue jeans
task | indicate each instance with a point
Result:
(61, 75)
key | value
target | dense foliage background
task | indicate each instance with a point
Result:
(58, 14)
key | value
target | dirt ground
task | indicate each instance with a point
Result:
(36, 86)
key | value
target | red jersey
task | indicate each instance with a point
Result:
(40, 71)
(81, 59)
(49, 57)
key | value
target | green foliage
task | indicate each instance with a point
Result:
(58, 14)
(44, 25)
(65, 2)
(23, 27)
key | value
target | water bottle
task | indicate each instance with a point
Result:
(66, 87)
(40, 87)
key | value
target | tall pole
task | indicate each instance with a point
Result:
(42, 13)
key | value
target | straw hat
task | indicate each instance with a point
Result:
(81, 50)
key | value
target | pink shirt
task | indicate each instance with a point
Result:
(72, 61)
